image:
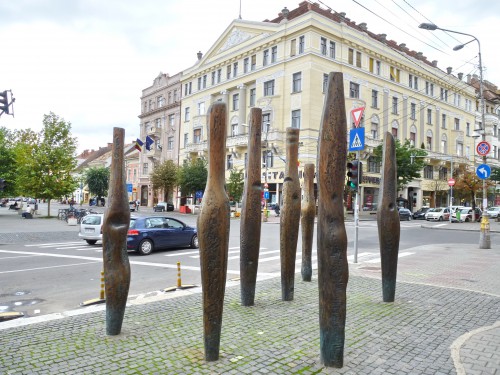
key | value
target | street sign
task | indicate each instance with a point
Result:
(266, 185)
(483, 148)
(266, 195)
(483, 171)
(357, 114)
(451, 182)
(357, 139)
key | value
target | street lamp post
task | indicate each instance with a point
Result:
(484, 238)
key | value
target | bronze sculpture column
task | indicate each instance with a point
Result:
(250, 224)
(388, 220)
(213, 232)
(308, 212)
(333, 272)
(290, 215)
(114, 239)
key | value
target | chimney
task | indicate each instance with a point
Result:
(402, 46)
(449, 69)
(342, 15)
(200, 55)
(434, 63)
(460, 76)
(285, 12)
(420, 55)
(363, 26)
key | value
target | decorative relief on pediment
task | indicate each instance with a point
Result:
(236, 37)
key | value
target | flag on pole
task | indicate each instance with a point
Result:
(149, 142)
(138, 144)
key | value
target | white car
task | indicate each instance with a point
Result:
(438, 214)
(91, 228)
(493, 212)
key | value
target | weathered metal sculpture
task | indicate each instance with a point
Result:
(213, 232)
(290, 215)
(308, 212)
(250, 224)
(388, 220)
(114, 239)
(333, 272)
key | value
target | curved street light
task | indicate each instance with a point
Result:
(484, 239)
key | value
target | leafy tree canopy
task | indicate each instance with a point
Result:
(192, 176)
(164, 177)
(97, 179)
(7, 162)
(409, 159)
(235, 184)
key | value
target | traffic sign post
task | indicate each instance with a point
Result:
(483, 148)
(357, 115)
(483, 171)
(357, 139)
(451, 182)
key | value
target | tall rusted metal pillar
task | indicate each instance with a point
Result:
(250, 225)
(213, 232)
(114, 239)
(308, 212)
(290, 215)
(333, 272)
(388, 220)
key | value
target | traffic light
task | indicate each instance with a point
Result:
(354, 174)
(2, 184)
(4, 102)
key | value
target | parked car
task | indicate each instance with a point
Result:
(420, 214)
(466, 214)
(91, 228)
(147, 234)
(404, 214)
(163, 206)
(493, 212)
(438, 214)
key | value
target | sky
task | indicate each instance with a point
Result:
(89, 60)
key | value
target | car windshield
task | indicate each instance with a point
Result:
(132, 224)
(465, 210)
(438, 210)
(92, 220)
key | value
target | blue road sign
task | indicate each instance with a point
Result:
(198, 194)
(483, 171)
(357, 139)
(129, 188)
(266, 195)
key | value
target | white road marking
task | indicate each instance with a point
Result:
(54, 244)
(46, 268)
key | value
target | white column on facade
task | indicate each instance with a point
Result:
(404, 124)
(242, 111)
(385, 110)
(225, 99)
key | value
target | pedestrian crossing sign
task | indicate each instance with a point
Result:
(357, 139)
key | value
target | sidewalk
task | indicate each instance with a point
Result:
(445, 320)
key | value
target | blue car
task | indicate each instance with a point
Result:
(146, 234)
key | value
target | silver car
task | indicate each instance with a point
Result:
(493, 212)
(91, 228)
(438, 214)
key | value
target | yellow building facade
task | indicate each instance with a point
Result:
(281, 66)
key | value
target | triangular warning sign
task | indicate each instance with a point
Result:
(356, 142)
(357, 114)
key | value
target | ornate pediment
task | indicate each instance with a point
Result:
(236, 37)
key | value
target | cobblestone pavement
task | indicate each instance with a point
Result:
(445, 320)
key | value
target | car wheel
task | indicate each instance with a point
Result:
(146, 247)
(91, 242)
(194, 242)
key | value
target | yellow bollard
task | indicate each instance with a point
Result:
(101, 298)
(101, 295)
(179, 283)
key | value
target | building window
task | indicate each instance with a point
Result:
(274, 54)
(394, 105)
(171, 120)
(413, 111)
(394, 132)
(443, 173)
(332, 49)
(266, 122)
(395, 74)
(213, 78)
(199, 86)
(197, 135)
(460, 149)
(269, 88)
(229, 161)
(235, 69)
(246, 64)
(252, 97)
(302, 44)
(354, 58)
(374, 99)
(323, 46)
(296, 119)
(265, 57)
(374, 130)
(186, 139)
(457, 124)
(201, 108)
(145, 168)
(219, 75)
(358, 59)
(293, 47)
(413, 137)
(374, 66)
(429, 116)
(444, 95)
(443, 121)
(297, 82)
(373, 165)
(187, 115)
(467, 128)
(228, 72)
(205, 81)
(429, 172)
(234, 130)
(354, 90)
(413, 81)
(267, 159)
(170, 143)
(428, 146)
(444, 145)
(325, 82)
(253, 62)
(236, 99)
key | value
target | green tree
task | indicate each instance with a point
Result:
(164, 177)
(46, 160)
(468, 184)
(409, 159)
(97, 180)
(192, 176)
(235, 185)
(7, 162)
